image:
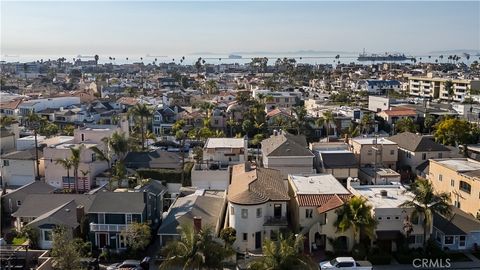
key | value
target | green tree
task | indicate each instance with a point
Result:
(429, 122)
(75, 159)
(405, 125)
(195, 250)
(66, 255)
(143, 112)
(257, 140)
(68, 130)
(32, 234)
(283, 254)
(356, 214)
(211, 86)
(329, 119)
(228, 235)
(137, 236)
(452, 131)
(6, 121)
(49, 129)
(449, 89)
(181, 135)
(425, 202)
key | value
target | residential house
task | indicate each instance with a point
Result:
(15, 198)
(213, 172)
(335, 159)
(20, 167)
(415, 149)
(459, 177)
(155, 159)
(315, 198)
(375, 152)
(287, 153)
(257, 205)
(37, 105)
(164, 118)
(386, 201)
(202, 208)
(378, 86)
(460, 231)
(10, 108)
(394, 114)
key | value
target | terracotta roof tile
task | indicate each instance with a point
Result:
(318, 199)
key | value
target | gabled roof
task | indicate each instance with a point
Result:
(334, 202)
(37, 187)
(118, 202)
(184, 209)
(65, 214)
(416, 143)
(459, 223)
(256, 186)
(10, 105)
(153, 159)
(36, 205)
(344, 159)
(286, 144)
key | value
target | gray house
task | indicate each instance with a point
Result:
(459, 231)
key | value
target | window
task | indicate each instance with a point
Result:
(379, 218)
(308, 213)
(277, 210)
(245, 236)
(452, 183)
(47, 235)
(129, 218)
(440, 177)
(448, 240)
(440, 155)
(408, 154)
(216, 121)
(83, 137)
(6, 162)
(94, 157)
(323, 219)
(424, 156)
(232, 210)
(465, 187)
(19, 203)
(392, 152)
(259, 212)
(244, 213)
(273, 235)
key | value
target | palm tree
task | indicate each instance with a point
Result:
(356, 214)
(195, 250)
(449, 89)
(257, 140)
(144, 112)
(75, 159)
(118, 174)
(66, 163)
(6, 121)
(425, 202)
(283, 254)
(329, 119)
(119, 144)
(84, 176)
(180, 135)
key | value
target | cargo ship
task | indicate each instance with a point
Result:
(383, 57)
(234, 56)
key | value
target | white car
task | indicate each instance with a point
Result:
(128, 264)
(346, 263)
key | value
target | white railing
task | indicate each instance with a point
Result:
(94, 227)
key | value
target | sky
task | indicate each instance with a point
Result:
(163, 28)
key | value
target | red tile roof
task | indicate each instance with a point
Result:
(399, 111)
(11, 105)
(334, 202)
(318, 199)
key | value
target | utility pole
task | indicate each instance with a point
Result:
(375, 148)
(37, 161)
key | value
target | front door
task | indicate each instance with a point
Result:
(102, 240)
(462, 242)
(258, 240)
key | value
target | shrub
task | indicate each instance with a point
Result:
(379, 257)
(359, 252)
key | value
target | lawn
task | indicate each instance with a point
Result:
(19, 240)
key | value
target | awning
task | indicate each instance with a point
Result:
(388, 235)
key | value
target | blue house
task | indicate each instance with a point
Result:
(459, 231)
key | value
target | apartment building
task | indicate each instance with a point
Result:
(460, 178)
(434, 88)
(371, 152)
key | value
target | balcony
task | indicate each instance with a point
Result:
(94, 227)
(275, 221)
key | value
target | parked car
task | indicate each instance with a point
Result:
(128, 264)
(346, 263)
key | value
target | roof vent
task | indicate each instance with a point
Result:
(383, 193)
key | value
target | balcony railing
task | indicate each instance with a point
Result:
(94, 227)
(275, 221)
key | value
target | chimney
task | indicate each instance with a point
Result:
(197, 224)
(80, 213)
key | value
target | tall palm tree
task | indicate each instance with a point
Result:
(449, 89)
(425, 202)
(283, 254)
(143, 112)
(356, 214)
(75, 159)
(257, 140)
(118, 143)
(66, 163)
(181, 135)
(329, 119)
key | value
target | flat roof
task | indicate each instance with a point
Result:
(460, 165)
(396, 195)
(371, 140)
(225, 143)
(74, 145)
(317, 184)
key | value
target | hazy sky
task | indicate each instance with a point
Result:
(162, 28)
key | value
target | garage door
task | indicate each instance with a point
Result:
(20, 180)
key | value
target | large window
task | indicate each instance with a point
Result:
(244, 213)
(465, 187)
(232, 210)
(47, 235)
(308, 213)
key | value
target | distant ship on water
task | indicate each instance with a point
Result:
(383, 57)
(234, 56)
